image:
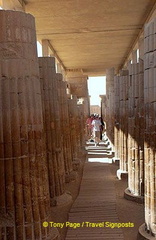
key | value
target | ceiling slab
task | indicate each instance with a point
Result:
(90, 34)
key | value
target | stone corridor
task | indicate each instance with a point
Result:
(96, 202)
(44, 107)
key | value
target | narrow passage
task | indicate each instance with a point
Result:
(96, 202)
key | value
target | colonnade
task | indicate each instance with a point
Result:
(134, 136)
(41, 133)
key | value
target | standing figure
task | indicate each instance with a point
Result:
(96, 123)
(89, 126)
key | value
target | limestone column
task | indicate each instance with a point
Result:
(134, 56)
(65, 129)
(24, 188)
(110, 104)
(148, 230)
(45, 48)
(75, 132)
(122, 123)
(81, 124)
(135, 133)
(52, 124)
(116, 118)
(104, 108)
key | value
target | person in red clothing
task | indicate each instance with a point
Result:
(89, 126)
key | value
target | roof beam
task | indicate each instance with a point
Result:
(46, 45)
(138, 37)
(55, 54)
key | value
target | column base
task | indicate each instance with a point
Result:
(61, 201)
(143, 235)
(122, 174)
(116, 160)
(72, 176)
(131, 197)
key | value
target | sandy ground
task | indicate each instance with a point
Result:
(127, 211)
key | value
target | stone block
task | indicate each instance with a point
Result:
(151, 60)
(155, 41)
(146, 45)
(135, 68)
(146, 30)
(151, 27)
(146, 78)
(151, 43)
(146, 61)
(141, 66)
(154, 56)
(154, 25)
(154, 77)
(130, 68)
(151, 78)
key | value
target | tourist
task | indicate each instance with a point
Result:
(89, 126)
(96, 123)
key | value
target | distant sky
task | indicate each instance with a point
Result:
(96, 87)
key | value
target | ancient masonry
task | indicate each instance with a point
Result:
(42, 121)
(36, 159)
(131, 108)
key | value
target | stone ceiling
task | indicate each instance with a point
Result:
(91, 35)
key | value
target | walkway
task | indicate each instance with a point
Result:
(96, 202)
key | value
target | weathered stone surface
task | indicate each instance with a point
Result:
(150, 133)
(24, 188)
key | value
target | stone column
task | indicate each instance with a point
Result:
(134, 56)
(24, 188)
(45, 48)
(148, 230)
(110, 104)
(75, 131)
(116, 118)
(122, 122)
(52, 124)
(141, 48)
(81, 124)
(65, 129)
(135, 133)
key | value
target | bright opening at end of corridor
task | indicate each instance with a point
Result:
(96, 87)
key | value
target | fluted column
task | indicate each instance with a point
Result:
(148, 229)
(110, 104)
(116, 117)
(136, 133)
(121, 123)
(53, 132)
(73, 118)
(24, 188)
(65, 129)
